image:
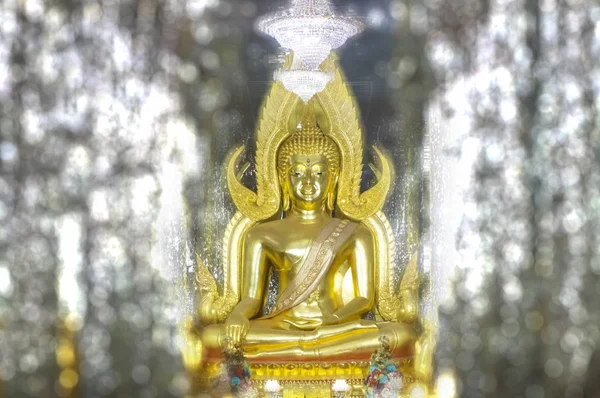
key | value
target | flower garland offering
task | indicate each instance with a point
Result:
(235, 374)
(384, 379)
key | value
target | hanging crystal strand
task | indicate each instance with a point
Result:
(301, 7)
(296, 63)
(311, 7)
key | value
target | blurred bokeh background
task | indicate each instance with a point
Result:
(116, 116)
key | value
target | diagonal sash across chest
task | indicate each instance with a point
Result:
(315, 265)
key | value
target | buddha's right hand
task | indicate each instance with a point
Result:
(236, 328)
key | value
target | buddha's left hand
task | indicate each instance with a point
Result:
(329, 319)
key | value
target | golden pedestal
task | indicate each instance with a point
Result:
(310, 380)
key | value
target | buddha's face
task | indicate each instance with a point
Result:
(309, 180)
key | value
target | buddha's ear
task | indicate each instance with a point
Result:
(331, 201)
(335, 177)
(332, 191)
(286, 200)
(285, 195)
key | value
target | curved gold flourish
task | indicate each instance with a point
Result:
(215, 307)
(394, 304)
(273, 129)
(343, 126)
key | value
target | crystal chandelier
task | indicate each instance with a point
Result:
(305, 83)
(310, 29)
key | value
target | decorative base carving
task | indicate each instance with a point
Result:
(307, 379)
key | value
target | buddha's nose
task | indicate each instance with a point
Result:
(309, 180)
(308, 183)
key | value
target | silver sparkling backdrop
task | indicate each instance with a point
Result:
(115, 121)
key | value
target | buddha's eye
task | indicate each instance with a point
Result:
(296, 173)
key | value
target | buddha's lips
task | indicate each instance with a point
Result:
(308, 190)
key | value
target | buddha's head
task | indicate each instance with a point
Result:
(308, 164)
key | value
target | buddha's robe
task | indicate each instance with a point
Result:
(289, 332)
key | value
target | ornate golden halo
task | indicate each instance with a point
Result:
(341, 123)
(338, 117)
(274, 127)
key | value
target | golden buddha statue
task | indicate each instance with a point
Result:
(330, 245)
